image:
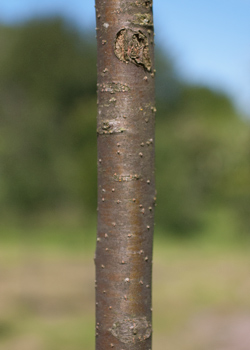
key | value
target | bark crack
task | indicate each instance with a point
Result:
(114, 87)
(126, 178)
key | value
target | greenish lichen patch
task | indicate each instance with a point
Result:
(132, 46)
(110, 127)
(112, 100)
(131, 330)
(143, 19)
(137, 4)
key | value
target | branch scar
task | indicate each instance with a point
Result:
(130, 330)
(132, 46)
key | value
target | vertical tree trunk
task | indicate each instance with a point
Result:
(126, 185)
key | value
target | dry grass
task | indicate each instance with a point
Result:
(201, 299)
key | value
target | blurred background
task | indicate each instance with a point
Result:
(48, 175)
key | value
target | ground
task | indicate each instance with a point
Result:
(201, 297)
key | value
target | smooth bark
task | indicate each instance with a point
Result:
(126, 184)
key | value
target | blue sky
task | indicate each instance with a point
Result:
(209, 40)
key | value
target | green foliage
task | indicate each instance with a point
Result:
(48, 131)
(200, 150)
(48, 135)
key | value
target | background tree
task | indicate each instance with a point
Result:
(126, 184)
(47, 128)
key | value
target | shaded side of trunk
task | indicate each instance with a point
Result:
(126, 184)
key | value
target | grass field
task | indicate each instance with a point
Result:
(200, 294)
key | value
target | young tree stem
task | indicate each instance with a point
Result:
(126, 182)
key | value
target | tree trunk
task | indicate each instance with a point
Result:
(126, 184)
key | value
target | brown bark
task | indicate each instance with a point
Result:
(126, 185)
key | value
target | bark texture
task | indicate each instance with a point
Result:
(126, 184)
